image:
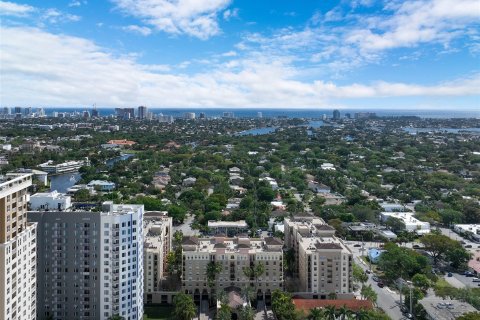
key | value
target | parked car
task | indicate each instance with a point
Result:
(368, 271)
(450, 274)
(468, 274)
(381, 284)
(468, 246)
(356, 245)
(416, 246)
(375, 278)
(476, 280)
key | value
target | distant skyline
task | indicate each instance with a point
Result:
(359, 54)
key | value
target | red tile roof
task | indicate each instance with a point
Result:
(352, 304)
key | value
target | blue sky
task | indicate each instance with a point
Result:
(225, 53)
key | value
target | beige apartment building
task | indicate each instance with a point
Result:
(17, 250)
(234, 255)
(323, 264)
(157, 232)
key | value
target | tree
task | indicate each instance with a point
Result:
(395, 224)
(330, 312)
(254, 272)
(224, 313)
(358, 274)
(421, 281)
(265, 194)
(184, 307)
(458, 256)
(436, 245)
(344, 312)
(282, 305)
(368, 293)
(316, 314)
(213, 269)
(398, 262)
(246, 313)
(177, 213)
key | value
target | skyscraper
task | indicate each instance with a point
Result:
(90, 264)
(142, 112)
(336, 114)
(17, 250)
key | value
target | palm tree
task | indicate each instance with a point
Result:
(246, 313)
(330, 312)
(254, 272)
(362, 314)
(213, 269)
(184, 307)
(316, 314)
(344, 312)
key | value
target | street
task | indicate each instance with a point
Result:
(185, 227)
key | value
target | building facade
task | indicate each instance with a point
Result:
(323, 264)
(17, 250)
(90, 264)
(235, 256)
(157, 232)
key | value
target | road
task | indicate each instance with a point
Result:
(387, 299)
(452, 235)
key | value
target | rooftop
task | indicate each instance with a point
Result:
(440, 309)
(351, 304)
(232, 245)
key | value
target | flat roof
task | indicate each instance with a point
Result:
(440, 309)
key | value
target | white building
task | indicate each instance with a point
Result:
(18, 255)
(227, 227)
(69, 166)
(50, 201)
(412, 224)
(102, 185)
(327, 166)
(471, 230)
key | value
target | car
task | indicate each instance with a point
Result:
(409, 316)
(468, 246)
(450, 274)
(375, 278)
(381, 284)
(463, 242)
(368, 271)
(357, 245)
(468, 274)
(415, 246)
(476, 280)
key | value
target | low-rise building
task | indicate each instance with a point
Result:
(445, 309)
(229, 228)
(412, 224)
(69, 166)
(50, 201)
(471, 231)
(318, 187)
(323, 263)
(101, 185)
(234, 256)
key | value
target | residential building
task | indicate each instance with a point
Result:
(102, 185)
(69, 166)
(17, 250)
(323, 264)
(90, 264)
(50, 201)
(189, 115)
(157, 232)
(125, 113)
(318, 187)
(234, 255)
(229, 228)
(336, 115)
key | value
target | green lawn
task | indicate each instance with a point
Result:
(157, 312)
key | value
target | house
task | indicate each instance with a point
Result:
(327, 166)
(374, 254)
(412, 224)
(318, 187)
(102, 185)
(122, 142)
(188, 182)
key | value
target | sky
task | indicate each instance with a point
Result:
(421, 54)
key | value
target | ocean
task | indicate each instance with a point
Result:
(289, 113)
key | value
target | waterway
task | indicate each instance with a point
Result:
(122, 157)
(257, 131)
(64, 181)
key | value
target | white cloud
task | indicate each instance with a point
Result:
(144, 31)
(40, 68)
(197, 18)
(53, 16)
(14, 9)
(230, 13)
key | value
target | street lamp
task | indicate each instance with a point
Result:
(410, 286)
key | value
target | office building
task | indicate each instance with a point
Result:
(412, 224)
(336, 114)
(202, 115)
(157, 232)
(142, 112)
(17, 250)
(323, 264)
(234, 255)
(165, 119)
(90, 264)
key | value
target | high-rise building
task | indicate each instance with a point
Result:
(90, 264)
(348, 115)
(17, 250)
(259, 114)
(125, 113)
(202, 115)
(6, 110)
(365, 115)
(234, 255)
(189, 115)
(228, 115)
(142, 112)
(157, 232)
(27, 111)
(336, 114)
(323, 264)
